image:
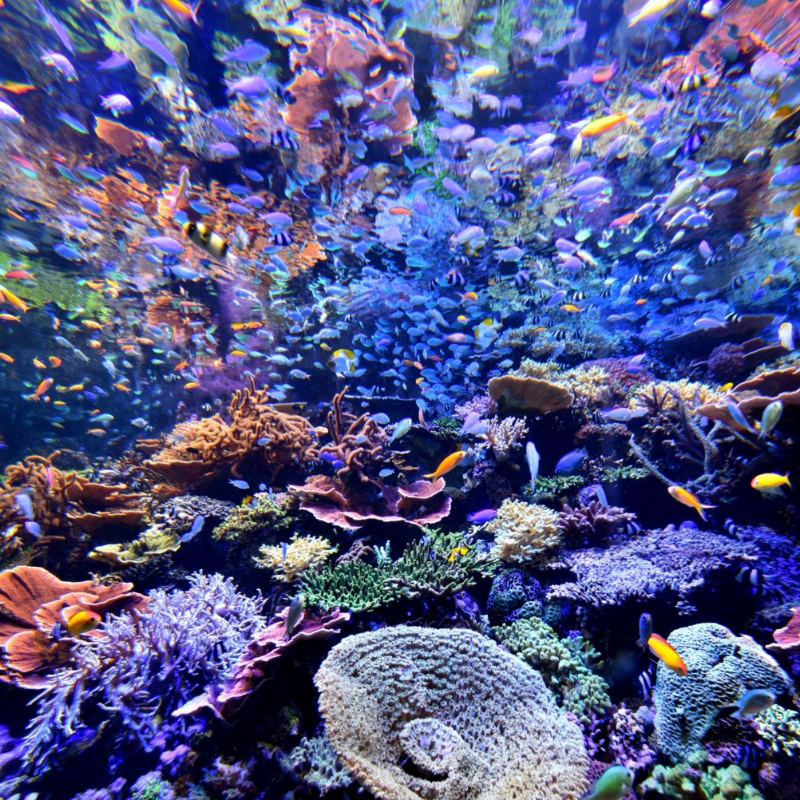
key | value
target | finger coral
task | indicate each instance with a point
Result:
(721, 668)
(446, 715)
(290, 561)
(525, 533)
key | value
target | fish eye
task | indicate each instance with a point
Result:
(191, 227)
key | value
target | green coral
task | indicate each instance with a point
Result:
(780, 729)
(551, 489)
(447, 425)
(152, 787)
(693, 779)
(562, 663)
(262, 512)
(626, 472)
(435, 566)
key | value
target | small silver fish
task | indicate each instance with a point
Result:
(296, 608)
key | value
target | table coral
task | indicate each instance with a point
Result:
(525, 533)
(562, 663)
(722, 667)
(290, 561)
(788, 637)
(33, 604)
(670, 565)
(446, 714)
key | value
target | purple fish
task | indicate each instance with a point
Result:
(359, 172)
(479, 517)
(548, 190)
(165, 244)
(57, 27)
(454, 188)
(645, 89)
(571, 462)
(788, 176)
(579, 170)
(152, 43)
(225, 149)
(224, 126)
(705, 249)
(251, 86)
(589, 186)
(249, 52)
(238, 208)
(565, 246)
(557, 298)
(114, 61)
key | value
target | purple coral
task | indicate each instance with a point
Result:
(592, 523)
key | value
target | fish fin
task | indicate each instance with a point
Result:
(788, 483)
(432, 475)
(194, 13)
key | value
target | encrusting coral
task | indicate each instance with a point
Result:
(525, 533)
(563, 663)
(290, 561)
(446, 715)
(721, 668)
(257, 435)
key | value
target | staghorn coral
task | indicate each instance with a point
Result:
(722, 667)
(505, 436)
(466, 719)
(201, 450)
(669, 565)
(695, 779)
(266, 644)
(421, 503)
(528, 394)
(562, 663)
(290, 561)
(315, 763)
(334, 46)
(591, 522)
(355, 585)
(525, 533)
(35, 607)
(357, 441)
(63, 500)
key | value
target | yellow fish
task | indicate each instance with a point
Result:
(770, 481)
(483, 72)
(650, 9)
(688, 499)
(83, 621)
(663, 650)
(449, 463)
(11, 298)
(191, 385)
(457, 551)
(604, 124)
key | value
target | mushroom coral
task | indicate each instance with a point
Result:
(338, 58)
(201, 450)
(35, 609)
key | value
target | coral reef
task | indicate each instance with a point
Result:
(591, 523)
(257, 436)
(514, 595)
(505, 436)
(779, 727)
(670, 565)
(35, 609)
(154, 541)
(721, 668)
(562, 663)
(528, 394)
(290, 561)
(456, 707)
(788, 637)
(525, 533)
(315, 763)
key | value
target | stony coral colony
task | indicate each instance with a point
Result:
(563, 414)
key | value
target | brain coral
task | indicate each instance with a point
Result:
(446, 715)
(722, 667)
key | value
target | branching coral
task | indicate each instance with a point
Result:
(198, 451)
(290, 561)
(446, 714)
(669, 565)
(357, 441)
(591, 523)
(721, 668)
(35, 609)
(563, 663)
(525, 533)
(505, 436)
(315, 763)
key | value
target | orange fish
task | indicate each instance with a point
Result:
(76, 387)
(182, 10)
(122, 387)
(11, 298)
(469, 296)
(55, 361)
(400, 211)
(144, 340)
(42, 388)
(181, 366)
(624, 221)
(96, 431)
(83, 621)
(604, 124)
(603, 74)
(641, 301)
(91, 324)
(13, 86)
(9, 318)
(19, 275)
(449, 463)
(191, 385)
(7, 358)
(573, 309)
(39, 364)
(252, 325)
(664, 651)
(688, 499)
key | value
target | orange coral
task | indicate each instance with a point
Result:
(198, 451)
(337, 56)
(62, 499)
(35, 607)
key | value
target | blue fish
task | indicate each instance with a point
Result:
(480, 517)
(197, 526)
(570, 463)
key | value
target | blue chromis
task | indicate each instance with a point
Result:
(645, 630)
(613, 784)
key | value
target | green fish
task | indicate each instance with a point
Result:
(613, 784)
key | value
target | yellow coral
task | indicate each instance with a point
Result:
(693, 393)
(592, 384)
(525, 533)
(302, 553)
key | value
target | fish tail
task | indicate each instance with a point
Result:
(194, 12)
(788, 482)
(432, 475)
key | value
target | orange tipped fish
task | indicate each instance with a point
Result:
(182, 10)
(449, 463)
(55, 361)
(39, 364)
(13, 300)
(83, 621)
(9, 318)
(191, 385)
(688, 499)
(665, 652)
(91, 324)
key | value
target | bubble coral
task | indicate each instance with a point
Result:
(525, 533)
(300, 554)
(446, 714)
(562, 663)
(32, 603)
(721, 668)
(201, 450)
